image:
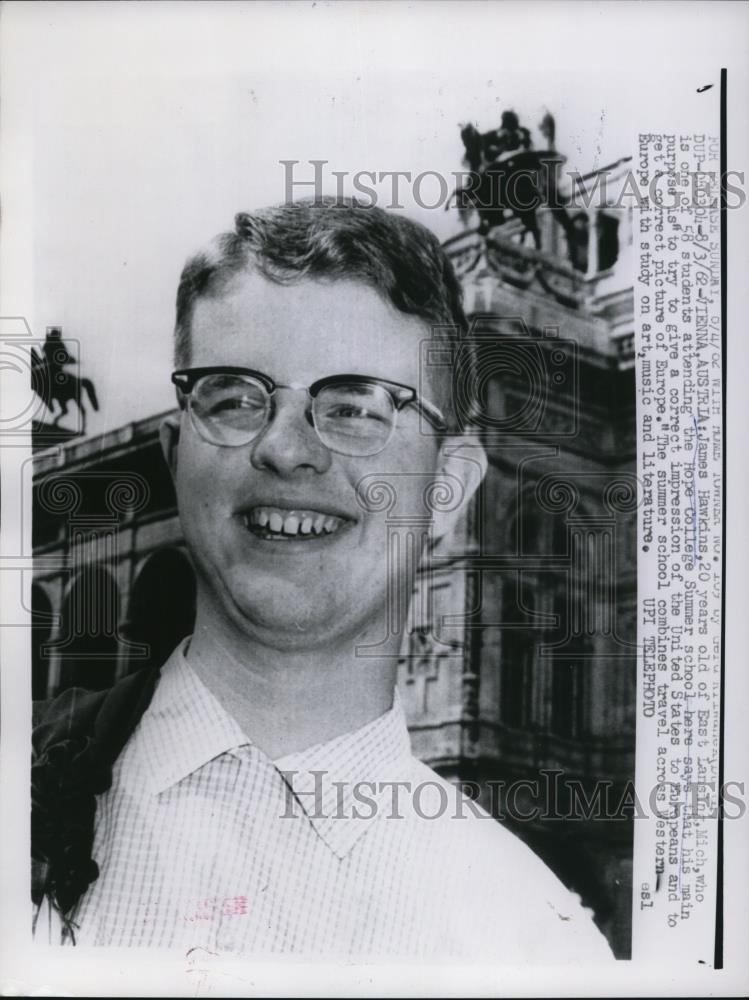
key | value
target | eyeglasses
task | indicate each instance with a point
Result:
(352, 414)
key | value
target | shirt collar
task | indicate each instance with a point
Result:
(344, 785)
(185, 727)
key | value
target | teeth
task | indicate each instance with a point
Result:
(292, 523)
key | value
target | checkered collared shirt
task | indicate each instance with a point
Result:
(348, 849)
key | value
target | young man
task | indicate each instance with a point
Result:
(263, 798)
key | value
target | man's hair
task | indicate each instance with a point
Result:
(336, 238)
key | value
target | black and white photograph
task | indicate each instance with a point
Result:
(366, 543)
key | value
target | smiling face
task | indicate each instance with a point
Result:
(281, 542)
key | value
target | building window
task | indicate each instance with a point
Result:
(578, 239)
(605, 249)
(516, 676)
(543, 660)
(608, 240)
(567, 694)
(522, 634)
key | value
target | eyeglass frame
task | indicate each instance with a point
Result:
(401, 395)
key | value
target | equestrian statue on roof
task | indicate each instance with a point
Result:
(509, 179)
(53, 384)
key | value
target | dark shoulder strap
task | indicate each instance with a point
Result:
(76, 741)
(68, 716)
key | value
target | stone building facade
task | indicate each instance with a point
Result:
(518, 674)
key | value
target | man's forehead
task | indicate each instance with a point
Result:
(253, 291)
(338, 319)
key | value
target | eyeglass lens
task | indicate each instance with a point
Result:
(355, 418)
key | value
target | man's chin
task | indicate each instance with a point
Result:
(285, 607)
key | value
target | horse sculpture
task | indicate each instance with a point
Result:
(53, 384)
(510, 180)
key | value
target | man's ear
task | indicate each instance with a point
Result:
(169, 438)
(462, 469)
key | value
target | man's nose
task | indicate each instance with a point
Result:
(289, 443)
